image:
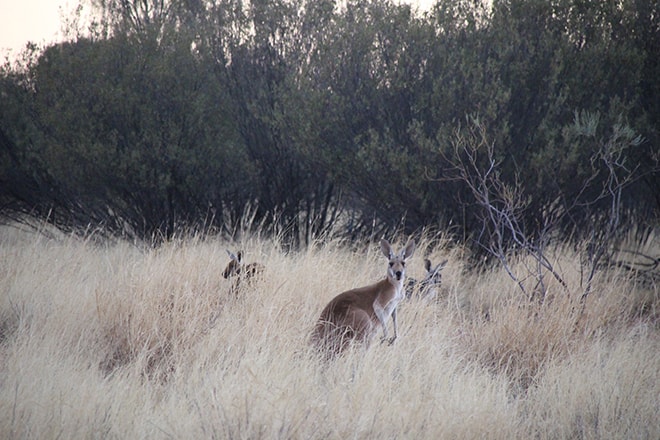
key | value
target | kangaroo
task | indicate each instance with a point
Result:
(239, 271)
(355, 315)
(428, 287)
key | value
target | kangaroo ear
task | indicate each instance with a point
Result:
(231, 255)
(409, 250)
(427, 264)
(386, 249)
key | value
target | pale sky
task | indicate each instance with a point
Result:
(40, 21)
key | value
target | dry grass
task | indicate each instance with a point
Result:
(114, 341)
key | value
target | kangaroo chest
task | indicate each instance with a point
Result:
(388, 302)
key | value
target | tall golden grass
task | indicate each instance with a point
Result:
(116, 341)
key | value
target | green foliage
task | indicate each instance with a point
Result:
(185, 113)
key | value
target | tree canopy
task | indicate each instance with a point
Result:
(306, 116)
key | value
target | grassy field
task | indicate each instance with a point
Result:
(118, 341)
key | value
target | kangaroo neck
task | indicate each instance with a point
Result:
(397, 284)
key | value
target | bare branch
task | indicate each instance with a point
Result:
(502, 205)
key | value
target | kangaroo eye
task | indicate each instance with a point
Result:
(403, 263)
(391, 263)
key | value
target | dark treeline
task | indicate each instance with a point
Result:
(302, 116)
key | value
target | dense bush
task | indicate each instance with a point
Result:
(306, 116)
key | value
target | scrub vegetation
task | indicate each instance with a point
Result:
(167, 116)
(516, 141)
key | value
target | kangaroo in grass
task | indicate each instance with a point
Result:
(356, 315)
(428, 287)
(239, 271)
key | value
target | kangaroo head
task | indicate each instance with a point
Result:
(396, 270)
(234, 265)
(433, 274)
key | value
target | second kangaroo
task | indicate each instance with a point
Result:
(429, 287)
(239, 271)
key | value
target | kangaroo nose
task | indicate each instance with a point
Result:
(398, 274)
